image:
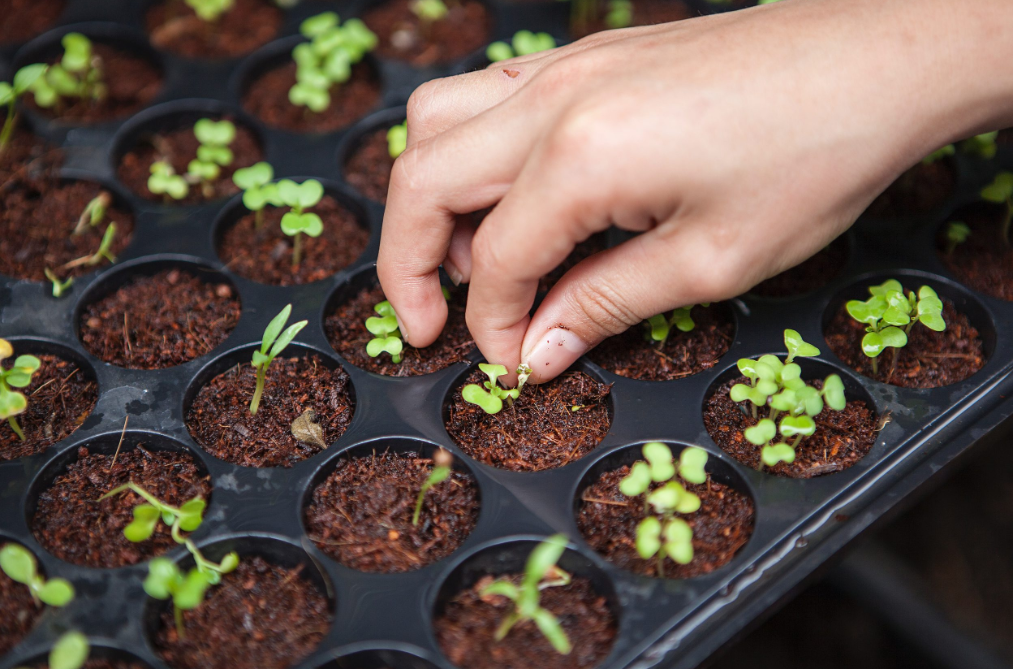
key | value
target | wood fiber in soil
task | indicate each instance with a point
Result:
(28, 157)
(540, 431)
(17, 612)
(721, 527)
(267, 99)
(983, 262)
(842, 438)
(74, 526)
(920, 190)
(464, 29)
(645, 13)
(174, 26)
(132, 83)
(265, 255)
(361, 515)
(584, 250)
(810, 275)
(684, 353)
(261, 615)
(466, 629)
(220, 420)
(179, 147)
(60, 398)
(930, 359)
(22, 20)
(37, 221)
(368, 168)
(159, 321)
(347, 333)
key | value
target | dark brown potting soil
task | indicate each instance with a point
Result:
(22, 20)
(683, 354)
(220, 419)
(810, 275)
(361, 515)
(465, 29)
(174, 26)
(369, 166)
(103, 663)
(60, 398)
(265, 255)
(28, 157)
(548, 426)
(920, 190)
(74, 526)
(17, 612)
(178, 147)
(842, 438)
(466, 629)
(261, 615)
(159, 321)
(645, 13)
(930, 359)
(346, 330)
(984, 262)
(585, 249)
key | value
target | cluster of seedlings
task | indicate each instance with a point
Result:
(523, 43)
(325, 62)
(13, 402)
(212, 154)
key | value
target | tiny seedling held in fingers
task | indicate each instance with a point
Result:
(77, 75)
(956, 234)
(524, 43)
(19, 564)
(386, 335)
(442, 462)
(326, 61)
(258, 191)
(274, 342)
(298, 221)
(490, 397)
(12, 402)
(1000, 191)
(23, 81)
(397, 139)
(660, 327)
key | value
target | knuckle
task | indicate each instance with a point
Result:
(421, 108)
(602, 309)
(486, 255)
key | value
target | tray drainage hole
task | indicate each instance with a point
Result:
(982, 261)
(379, 659)
(18, 611)
(249, 24)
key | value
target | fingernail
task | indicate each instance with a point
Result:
(402, 328)
(555, 351)
(455, 274)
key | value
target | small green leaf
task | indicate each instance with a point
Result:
(798, 347)
(56, 592)
(637, 481)
(930, 309)
(498, 51)
(475, 394)
(229, 563)
(69, 652)
(397, 139)
(274, 328)
(314, 99)
(190, 593)
(679, 541)
(659, 327)
(833, 392)
(253, 176)
(692, 464)
(888, 286)
(143, 526)
(740, 392)
(543, 558)
(761, 433)
(309, 224)
(214, 133)
(203, 171)
(660, 458)
(191, 514)
(526, 43)
(286, 338)
(162, 579)
(503, 589)
(875, 343)
(792, 426)
(11, 403)
(648, 541)
(553, 631)
(1000, 190)
(771, 455)
(76, 52)
(18, 563)
(319, 24)
(26, 77)
(392, 345)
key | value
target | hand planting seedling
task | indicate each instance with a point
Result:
(540, 573)
(983, 145)
(23, 81)
(213, 153)
(397, 139)
(524, 43)
(490, 398)
(69, 652)
(298, 221)
(164, 181)
(210, 10)
(12, 402)
(956, 234)
(386, 335)
(1000, 191)
(77, 75)
(165, 581)
(19, 564)
(326, 61)
(660, 326)
(442, 461)
(258, 191)
(273, 343)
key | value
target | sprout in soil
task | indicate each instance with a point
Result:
(12, 402)
(1000, 191)
(428, 12)
(956, 234)
(889, 316)
(210, 10)
(397, 139)
(271, 346)
(442, 461)
(983, 145)
(69, 652)
(104, 251)
(94, 212)
(524, 43)
(620, 14)
(77, 75)
(19, 564)
(386, 335)
(540, 573)
(258, 191)
(165, 581)
(23, 80)
(327, 59)
(212, 155)
(660, 326)
(490, 397)
(164, 181)
(297, 222)
(146, 516)
(60, 287)
(939, 154)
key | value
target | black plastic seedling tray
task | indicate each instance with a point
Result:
(385, 620)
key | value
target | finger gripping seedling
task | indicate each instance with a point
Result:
(77, 75)
(213, 153)
(297, 222)
(397, 139)
(326, 60)
(490, 397)
(386, 334)
(442, 462)
(12, 402)
(23, 81)
(524, 43)
(660, 326)
(19, 564)
(273, 343)
(258, 191)
(1000, 191)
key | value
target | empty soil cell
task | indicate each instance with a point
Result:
(159, 321)
(71, 523)
(368, 168)
(361, 515)
(923, 188)
(586, 249)
(261, 615)
(60, 397)
(174, 26)
(28, 157)
(347, 333)
(984, 262)
(18, 612)
(220, 420)
(38, 218)
(464, 29)
(466, 629)
(267, 99)
(645, 13)
(22, 20)
(812, 274)
(930, 359)
(540, 431)
(178, 147)
(842, 438)
(683, 354)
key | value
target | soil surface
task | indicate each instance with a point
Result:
(267, 98)
(60, 398)
(842, 438)
(102, 663)
(645, 13)
(265, 255)
(540, 431)
(920, 190)
(930, 359)
(22, 20)
(465, 29)
(159, 321)
(466, 629)
(74, 526)
(684, 353)
(585, 249)
(811, 275)
(347, 333)
(361, 515)
(220, 420)
(178, 147)
(174, 26)
(983, 262)
(369, 166)
(37, 222)
(261, 615)
(28, 157)
(17, 612)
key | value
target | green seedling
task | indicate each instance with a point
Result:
(186, 518)
(619, 14)
(273, 343)
(23, 81)
(212, 155)
(69, 652)
(429, 11)
(397, 139)
(524, 43)
(77, 75)
(12, 402)
(659, 327)
(768, 374)
(104, 251)
(540, 573)
(60, 287)
(165, 581)
(939, 154)
(386, 335)
(490, 397)
(258, 191)
(442, 462)
(956, 234)
(1000, 191)
(983, 145)
(210, 10)
(298, 221)
(326, 60)
(94, 212)
(165, 182)
(19, 564)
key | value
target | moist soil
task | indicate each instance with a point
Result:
(60, 398)
(586, 249)
(630, 354)
(465, 29)
(132, 82)
(361, 515)
(17, 612)
(983, 262)
(159, 321)
(645, 13)
(264, 255)
(842, 438)
(72, 524)
(540, 431)
(811, 275)
(921, 189)
(267, 99)
(930, 359)
(22, 20)
(37, 222)
(178, 147)
(467, 627)
(347, 333)
(220, 420)
(28, 157)
(608, 520)
(261, 615)
(368, 168)
(249, 24)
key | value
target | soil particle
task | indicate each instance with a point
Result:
(921, 189)
(983, 262)
(586, 249)
(249, 24)
(22, 20)
(645, 13)
(465, 29)
(810, 275)
(17, 612)
(368, 168)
